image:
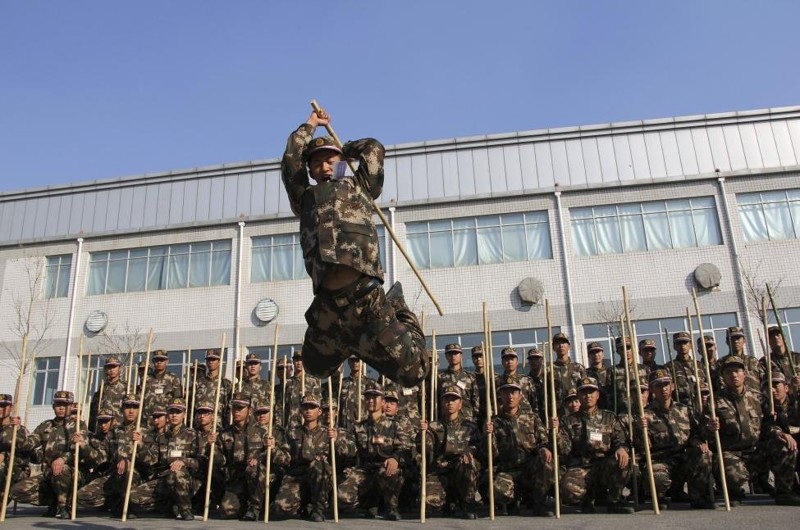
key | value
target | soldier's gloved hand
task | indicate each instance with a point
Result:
(136, 436)
(489, 427)
(622, 458)
(642, 422)
(546, 455)
(15, 420)
(332, 434)
(269, 442)
(77, 438)
(391, 465)
(253, 462)
(423, 425)
(791, 443)
(212, 438)
(703, 448)
(58, 466)
(176, 465)
(713, 424)
(122, 466)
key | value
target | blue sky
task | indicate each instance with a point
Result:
(97, 90)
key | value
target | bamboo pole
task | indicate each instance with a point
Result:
(645, 434)
(491, 367)
(79, 394)
(333, 453)
(386, 224)
(554, 432)
(423, 485)
(435, 394)
(697, 389)
(787, 344)
(15, 428)
(712, 408)
(487, 358)
(629, 404)
(132, 462)
(358, 397)
(268, 464)
(672, 369)
(130, 372)
(214, 430)
(283, 384)
(545, 400)
(768, 354)
(194, 393)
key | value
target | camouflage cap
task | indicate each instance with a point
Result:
(353, 358)
(212, 353)
(659, 377)
(297, 355)
(732, 361)
(508, 352)
(453, 348)
(647, 344)
(112, 362)
(252, 358)
(105, 414)
(735, 331)
(708, 339)
(160, 354)
(777, 377)
(262, 407)
(452, 390)
(241, 399)
(572, 393)
(681, 336)
(204, 405)
(534, 352)
(509, 382)
(477, 350)
(142, 365)
(281, 363)
(593, 347)
(642, 384)
(373, 388)
(160, 410)
(201, 369)
(63, 396)
(320, 143)
(618, 341)
(6, 399)
(560, 337)
(391, 395)
(310, 399)
(176, 404)
(130, 400)
(326, 405)
(774, 330)
(588, 383)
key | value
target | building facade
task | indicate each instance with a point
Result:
(659, 206)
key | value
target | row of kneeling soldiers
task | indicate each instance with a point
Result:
(378, 456)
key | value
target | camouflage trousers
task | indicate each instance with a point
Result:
(457, 484)
(690, 466)
(578, 483)
(242, 494)
(21, 471)
(45, 489)
(385, 334)
(305, 488)
(167, 489)
(366, 487)
(771, 455)
(108, 490)
(529, 482)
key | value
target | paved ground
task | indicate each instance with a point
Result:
(760, 512)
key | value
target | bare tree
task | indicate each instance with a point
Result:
(121, 340)
(755, 288)
(610, 313)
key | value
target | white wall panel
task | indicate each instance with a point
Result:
(672, 156)
(624, 158)
(419, 177)
(527, 165)
(686, 151)
(483, 179)
(577, 167)
(719, 149)
(750, 147)
(733, 142)
(450, 175)
(544, 165)
(783, 143)
(436, 189)
(766, 145)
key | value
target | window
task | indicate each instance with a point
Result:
(280, 257)
(658, 225)
(716, 325)
(521, 339)
(790, 318)
(56, 276)
(480, 240)
(92, 370)
(47, 370)
(165, 267)
(770, 215)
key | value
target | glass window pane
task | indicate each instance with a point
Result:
(488, 220)
(259, 271)
(199, 266)
(97, 278)
(116, 276)
(282, 263)
(653, 207)
(678, 204)
(157, 269)
(633, 238)
(779, 222)
(512, 219)
(178, 268)
(489, 245)
(608, 239)
(754, 226)
(706, 227)
(50, 280)
(418, 249)
(538, 238)
(465, 247)
(137, 274)
(416, 228)
(583, 241)
(681, 229)
(514, 247)
(467, 223)
(300, 265)
(442, 249)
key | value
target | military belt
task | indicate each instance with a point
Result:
(343, 299)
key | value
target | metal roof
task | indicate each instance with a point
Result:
(594, 156)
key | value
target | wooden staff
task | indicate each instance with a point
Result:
(358, 397)
(712, 408)
(333, 454)
(132, 462)
(554, 432)
(487, 358)
(214, 430)
(81, 407)
(545, 400)
(672, 369)
(188, 375)
(645, 435)
(697, 389)
(339, 394)
(629, 404)
(14, 429)
(194, 393)
(240, 367)
(283, 384)
(787, 345)
(768, 355)
(491, 367)
(271, 419)
(423, 471)
(130, 372)
(386, 224)
(435, 394)
(79, 398)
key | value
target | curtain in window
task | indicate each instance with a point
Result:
(178, 268)
(656, 229)
(259, 271)
(632, 229)
(137, 270)
(538, 240)
(157, 269)
(282, 258)
(514, 243)
(608, 240)
(779, 221)
(97, 273)
(583, 237)
(200, 265)
(51, 280)
(490, 244)
(706, 227)
(441, 247)
(465, 243)
(682, 229)
(418, 248)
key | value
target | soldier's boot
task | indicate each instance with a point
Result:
(540, 509)
(587, 504)
(620, 507)
(787, 499)
(393, 515)
(371, 512)
(62, 512)
(251, 514)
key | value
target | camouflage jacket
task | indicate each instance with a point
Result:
(257, 389)
(788, 415)
(741, 420)
(177, 443)
(348, 400)
(374, 442)
(529, 402)
(293, 394)
(480, 387)
(752, 373)
(206, 389)
(585, 438)
(685, 385)
(115, 446)
(516, 438)
(567, 376)
(470, 395)
(52, 439)
(408, 399)
(21, 458)
(336, 225)
(303, 446)
(615, 386)
(160, 390)
(538, 384)
(112, 398)
(670, 431)
(237, 446)
(448, 440)
(780, 363)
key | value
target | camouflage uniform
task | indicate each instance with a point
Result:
(374, 442)
(780, 363)
(54, 438)
(467, 382)
(112, 397)
(256, 388)
(567, 375)
(683, 371)
(750, 442)
(408, 399)
(336, 229)
(161, 389)
(166, 487)
(22, 458)
(675, 437)
(206, 389)
(293, 393)
(348, 400)
(537, 378)
(616, 384)
(587, 443)
(529, 403)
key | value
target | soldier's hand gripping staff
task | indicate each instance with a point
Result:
(594, 453)
(54, 439)
(383, 446)
(205, 389)
(162, 386)
(452, 447)
(14, 463)
(567, 372)
(522, 459)
(455, 374)
(174, 464)
(113, 391)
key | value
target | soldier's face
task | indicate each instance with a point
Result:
(588, 398)
(159, 365)
(628, 354)
(5, 410)
(263, 418)
(573, 405)
(596, 357)
(682, 347)
(536, 362)
(322, 164)
(130, 413)
(105, 425)
(477, 360)
(733, 377)
(736, 344)
(298, 366)
(779, 391)
(374, 402)
(647, 354)
(454, 358)
(390, 407)
(310, 413)
(204, 417)
(711, 350)
(175, 417)
(662, 392)
(451, 404)
(510, 398)
(112, 372)
(253, 369)
(776, 340)
(562, 348)
(240, 413)
(60, 410)
(355, 366)
(510, 363)
(212, 364)
(159, 422)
